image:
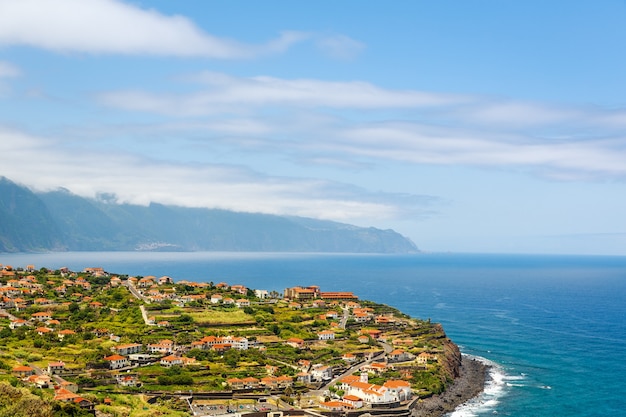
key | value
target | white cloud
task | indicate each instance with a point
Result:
(517, 113)
(564, 142)
(139, 180)
(8, 70)
(114, 27)
(308, 122)
(224, 93)
(340, 46)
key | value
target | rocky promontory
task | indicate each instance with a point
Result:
(473, 375)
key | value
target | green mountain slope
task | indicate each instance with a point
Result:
(25, 222)
(61, 220)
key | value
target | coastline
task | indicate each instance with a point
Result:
(471, 383)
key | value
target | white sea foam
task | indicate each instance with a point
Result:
(496, 387)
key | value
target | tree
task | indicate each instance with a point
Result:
(231, 357)
(185, 318)
(74, 307)
(5, 333)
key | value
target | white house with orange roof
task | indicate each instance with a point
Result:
(242, 302)
(18, 323)
(400, 388)
(240, 343)
(326, 335)
(295, 342)
(40, 381)
(277, 381)
(424, 357)
(127, 349)
(128, 380)
(332, 314)
(117, 361)
(353, 400)
(10, 291)
(321, 372)
(209, 342)
(43, 330)
(165, 280)
(23, 371)
(399, 355)
(164, 346)
(304, 364)
(55, 368)
(373, 393)
(235, 383)
(304, 377)
(239, 288)
(361, 317)
(146, 282)
(385, 320)
(336, 406)
(171, 360)
(375, 367)
(65, 332)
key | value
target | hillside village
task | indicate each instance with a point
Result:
(91, 342)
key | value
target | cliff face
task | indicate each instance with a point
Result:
(452, 357)
(452, 361)
(465, 380)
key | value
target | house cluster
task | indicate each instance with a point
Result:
(268, 382)
(18, 293)
(311, 373)
(43, 322)
(221, 343)
(22, 290)
(167, 353)
(64, 391)
(358, 392)
(160, 289)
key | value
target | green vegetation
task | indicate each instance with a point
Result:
(98, 313)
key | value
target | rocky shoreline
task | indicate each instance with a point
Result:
(469, 384)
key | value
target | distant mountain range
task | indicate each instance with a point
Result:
(62, 221)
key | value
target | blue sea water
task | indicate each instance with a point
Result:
(553, 327)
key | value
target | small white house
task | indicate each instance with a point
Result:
(326, 335)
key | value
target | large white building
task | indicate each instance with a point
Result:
(390, 392)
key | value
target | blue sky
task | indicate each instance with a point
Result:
(483, 126)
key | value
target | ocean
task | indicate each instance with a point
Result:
(553, 327)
